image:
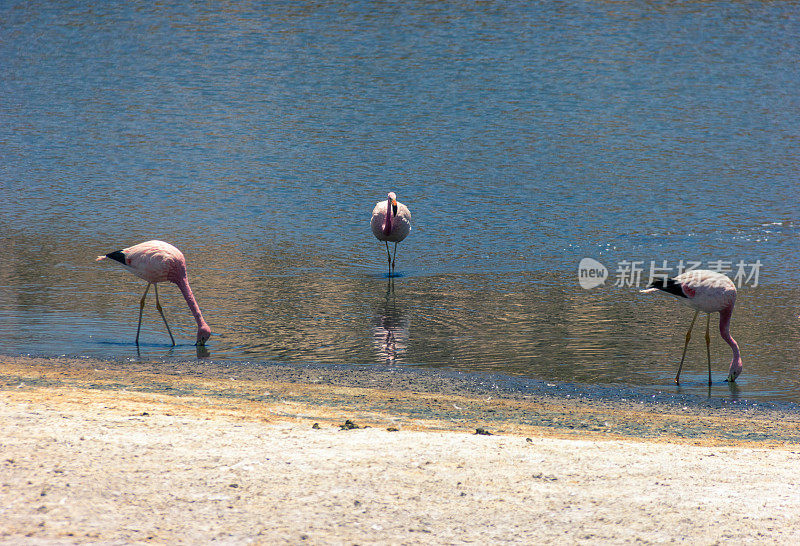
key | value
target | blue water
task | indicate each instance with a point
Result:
(522, 136)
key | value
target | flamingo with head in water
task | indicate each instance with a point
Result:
(391, 222)
(711, 292)
(155, 262)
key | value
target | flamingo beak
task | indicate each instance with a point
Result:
(394, 207)
(202, 337)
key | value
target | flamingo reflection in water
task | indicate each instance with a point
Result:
(390, 328)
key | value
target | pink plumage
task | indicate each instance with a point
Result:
(155, 262)
(710, 292)
(390, 222)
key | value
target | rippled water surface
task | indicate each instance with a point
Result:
(522, 136)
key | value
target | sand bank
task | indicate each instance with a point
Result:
(96, 452)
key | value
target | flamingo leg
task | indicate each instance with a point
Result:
(161, 311)
(688, 337)
(389, 257)
(141, 307)
(394, 256)
(708, 346)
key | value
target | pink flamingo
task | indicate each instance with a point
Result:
(710, 292)
(391, 221)
(155, 262)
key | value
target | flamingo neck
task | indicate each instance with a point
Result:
(725, 333)
(387, 222)
(186, 290)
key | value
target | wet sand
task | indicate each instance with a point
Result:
(98, 452)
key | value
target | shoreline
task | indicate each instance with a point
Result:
(443, 400)
(94, 451)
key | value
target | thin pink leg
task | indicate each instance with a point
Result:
(688, 337)
(161, 311)
(141, 307)
(708, 347)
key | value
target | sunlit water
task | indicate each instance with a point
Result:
(523, 137)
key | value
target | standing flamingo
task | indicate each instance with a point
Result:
(710, 292)
(155, 262)
(391, 221)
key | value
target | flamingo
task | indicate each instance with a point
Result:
(155, 262)
(711, 292)
(391, 221)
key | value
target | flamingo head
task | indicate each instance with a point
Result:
(735, 369)
(393, 202)
(203, 333)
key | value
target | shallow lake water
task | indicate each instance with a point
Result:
(523, 137)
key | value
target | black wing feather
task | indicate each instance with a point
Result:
(118, 256)
(668, 285)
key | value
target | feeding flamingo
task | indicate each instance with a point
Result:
(710, 292)
(155, 262)
(391, 221)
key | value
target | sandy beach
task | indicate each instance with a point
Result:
(94, 452)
